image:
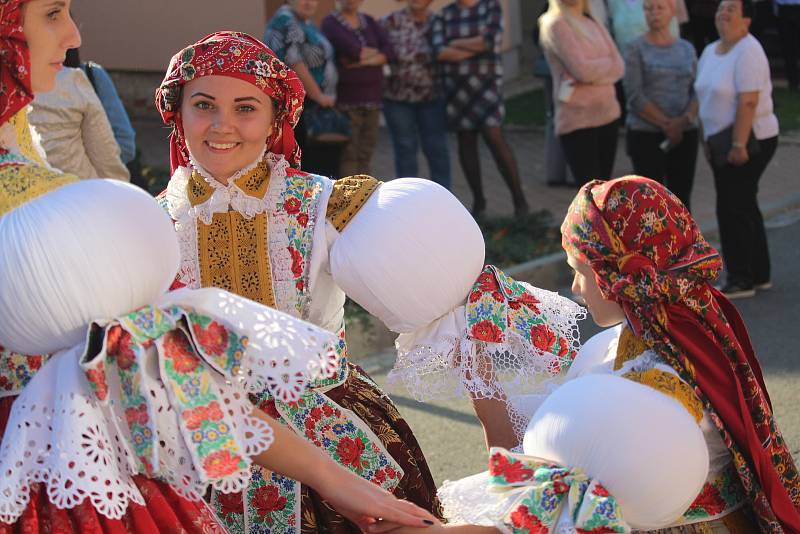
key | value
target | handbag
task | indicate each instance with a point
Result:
(720, 144)
(327, 126)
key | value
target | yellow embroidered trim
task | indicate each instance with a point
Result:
(254, 184)
(22, 131)
(669, 384)
(629, 347)
(233, 255)
(197, 189)
(348, 197)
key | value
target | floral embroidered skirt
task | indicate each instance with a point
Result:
(165, 511)
(739, 522)
(368, 402)
(359, 428)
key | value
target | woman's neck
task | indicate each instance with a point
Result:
(575, 11)
(661, 36)
(728, 42)
(351, 16)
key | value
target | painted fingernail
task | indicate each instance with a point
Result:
(427, 521)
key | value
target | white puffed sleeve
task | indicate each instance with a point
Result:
(413, 256)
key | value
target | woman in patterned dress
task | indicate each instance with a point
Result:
(250, 222)
(466, 37)
(641, 264)
(91, 443)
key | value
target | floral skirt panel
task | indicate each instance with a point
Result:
(361, 429)
(164, 512)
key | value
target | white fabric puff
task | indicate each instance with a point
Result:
(642, 445)
(410, 255)
(89, 250)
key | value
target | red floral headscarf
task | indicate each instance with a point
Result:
(649, 256)
(241, 56)
(15, 71)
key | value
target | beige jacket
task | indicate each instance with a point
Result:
(75, 131)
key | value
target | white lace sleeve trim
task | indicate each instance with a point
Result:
(59, 433)
(440, 361)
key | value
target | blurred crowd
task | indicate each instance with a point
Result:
(604, 64)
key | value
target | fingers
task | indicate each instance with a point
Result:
(406, 514)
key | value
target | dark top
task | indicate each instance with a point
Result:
(359, 86)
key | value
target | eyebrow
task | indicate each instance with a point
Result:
(56, 3)
(203, 94)
(246, 99)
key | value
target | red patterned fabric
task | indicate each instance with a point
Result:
(164, 510)
(15, 72)
(241, 56)
(649, 256)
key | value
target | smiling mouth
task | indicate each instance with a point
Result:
(220, 147)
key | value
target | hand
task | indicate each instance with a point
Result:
(674, 131)
(382, 527)
(366, 53)
(738, 156)
(325, 101)
(364, 503)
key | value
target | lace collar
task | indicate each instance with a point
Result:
(17, 136)
(192, 193)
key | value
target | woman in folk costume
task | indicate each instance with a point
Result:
(140, 405)
(664, 423)
(406, 250)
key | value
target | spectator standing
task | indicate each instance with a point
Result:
(662, 108)
(412, 100)
(294, 37)
(789, 30)
(466, 37)
(362, 48)
(628, 22)
(124, 133)
(741, 134)
(585, 65)
(555, 166)
(76, 133)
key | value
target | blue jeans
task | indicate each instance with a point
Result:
(412, 122)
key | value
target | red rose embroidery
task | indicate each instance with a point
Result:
(267, 499)
(499, 466)
(542, 337)
(194, 418)
(562, 347)
(179, 350)
(97, 377)
(709, 500)
(292, 206)
(297, 262)
(34, 362)
(530, 301)
(230, 503)
(487, 282)
(486, 331)
(560, 487)
(600, 490)
(213, 339)
(475, 296)
(137, 414)
(522, 518)
(496, 295)
(349, 451)
(302, 219)
(221, 464)
(119, 345)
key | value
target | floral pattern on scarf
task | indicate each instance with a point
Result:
(240, 56)
(649, 256)
(15, 71)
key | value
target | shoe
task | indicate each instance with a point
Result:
(735, 291)
(763, 286)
